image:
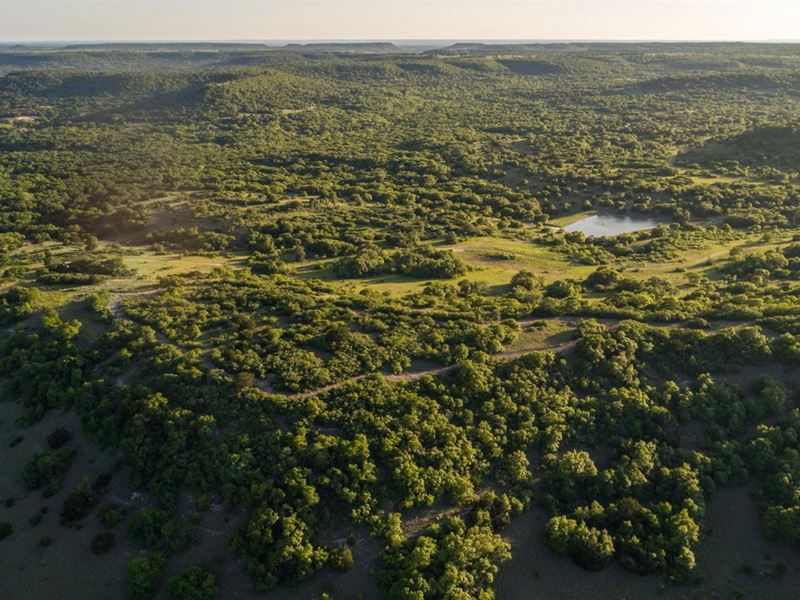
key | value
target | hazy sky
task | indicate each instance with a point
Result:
(65, 20)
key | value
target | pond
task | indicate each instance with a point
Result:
(602, 225)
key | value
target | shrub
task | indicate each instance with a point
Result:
(102, 542)
(589, 547)
(78, 504)
(153, 528)
(341, 559)
(194, 583)
(144, 577)
(47, 470)
(58, 438)
(109, 515)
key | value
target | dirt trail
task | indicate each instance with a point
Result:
(115, 305)
(679, 149)
(414, 375)
(411, 375)
(117, 310)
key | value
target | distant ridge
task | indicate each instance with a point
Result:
(468, 46)
(513, 46)
(376, 47)
(168, 45)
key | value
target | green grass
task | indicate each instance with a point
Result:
(481, 254)
(706, 180)
(393, 284)
(551, 265)
(565, 220)
(478, 253)
(544, 261)
(546, 335)
(148, 267)
(151, 266)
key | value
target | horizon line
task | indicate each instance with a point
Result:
(403, 40)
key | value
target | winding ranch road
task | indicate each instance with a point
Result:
(408, 375)
(118, 311)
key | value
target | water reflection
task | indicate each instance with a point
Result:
(601, 225)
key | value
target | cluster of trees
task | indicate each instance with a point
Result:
(43, 369)
(81, 269)
(772, 455)
(300, 336)
(452, 559)
(642, 511)
(422, 262)
(81, 501)
(297, 466)
(192, 238)
(194, 583)
(46, 470)
(144, 577)
(18, 303)
(156, 529)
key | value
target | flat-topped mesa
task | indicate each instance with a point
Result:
(371, 47)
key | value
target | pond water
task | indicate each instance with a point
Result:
(600, 225)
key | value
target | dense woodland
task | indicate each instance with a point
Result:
(327, 291)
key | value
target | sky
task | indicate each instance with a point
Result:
(163, 20)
